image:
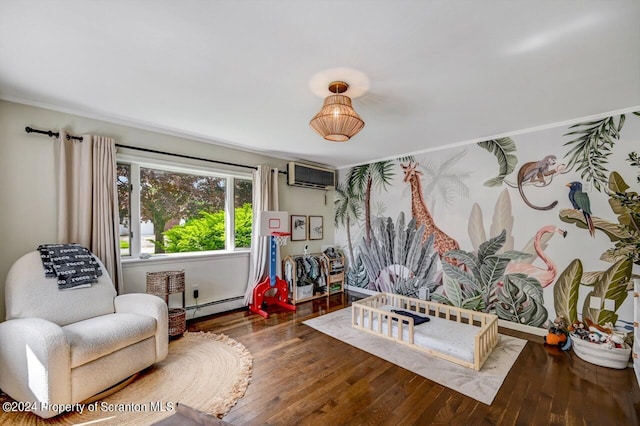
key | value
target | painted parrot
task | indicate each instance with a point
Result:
(580, 201)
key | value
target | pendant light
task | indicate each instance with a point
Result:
(337, 121)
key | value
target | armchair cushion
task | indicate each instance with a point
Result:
(152, 306)
(28, 293)
(96, 337)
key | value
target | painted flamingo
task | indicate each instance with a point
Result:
(545, 276)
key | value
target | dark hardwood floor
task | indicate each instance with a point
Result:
(302, 376)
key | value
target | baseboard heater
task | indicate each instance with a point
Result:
(217, 302)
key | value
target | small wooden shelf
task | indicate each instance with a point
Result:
(335, 270)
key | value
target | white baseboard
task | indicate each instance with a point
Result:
(217, 308)
(361, 290)
(536, 331)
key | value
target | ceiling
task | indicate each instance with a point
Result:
(251, 74)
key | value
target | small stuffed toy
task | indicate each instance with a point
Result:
(558, 334)
(579, 330)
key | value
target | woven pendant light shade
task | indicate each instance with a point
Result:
(337, 121)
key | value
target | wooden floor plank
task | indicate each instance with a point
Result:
(304, 377)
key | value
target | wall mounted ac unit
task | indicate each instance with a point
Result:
(309, 176)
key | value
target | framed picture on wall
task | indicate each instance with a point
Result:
(298, 227)
(315, 228)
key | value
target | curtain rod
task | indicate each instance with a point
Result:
(51, 133)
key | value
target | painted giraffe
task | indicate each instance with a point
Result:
(443, 242)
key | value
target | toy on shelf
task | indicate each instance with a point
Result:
(273, 289)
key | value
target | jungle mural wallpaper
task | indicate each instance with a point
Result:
(528, 228)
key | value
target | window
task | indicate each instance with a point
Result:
(180, 209)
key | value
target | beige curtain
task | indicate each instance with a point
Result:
(265, 198)
(87, 198)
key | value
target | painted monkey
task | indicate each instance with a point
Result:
(536, 171)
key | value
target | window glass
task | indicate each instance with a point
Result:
(181, 212)
(243, 193)
(124, 207)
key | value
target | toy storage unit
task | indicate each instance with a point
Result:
(163, 284)
(313, 276)
(335, 270)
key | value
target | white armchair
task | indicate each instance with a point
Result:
(65, 346)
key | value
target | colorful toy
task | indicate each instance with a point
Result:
(272, 290)
(558, 334)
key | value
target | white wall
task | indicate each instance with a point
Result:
(28, 201)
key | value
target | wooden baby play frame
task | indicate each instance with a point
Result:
(366, 315)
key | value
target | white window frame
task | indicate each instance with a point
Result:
(136, 162)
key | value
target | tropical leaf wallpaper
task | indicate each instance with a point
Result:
(528, 227)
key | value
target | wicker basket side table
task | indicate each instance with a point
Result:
(163, 284)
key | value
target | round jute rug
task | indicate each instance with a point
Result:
(208, 372)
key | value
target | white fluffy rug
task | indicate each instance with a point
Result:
(481, 385)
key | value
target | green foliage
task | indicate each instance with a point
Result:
(123, 187)
(626, 233)
(484, 286)
(357, 275)
(243, 222)
(565, 291)
(207, 232)
(360, 178)
(610, 285)
(592, 147)
(626, 205)
(348, 207)
(396, 260)
(347, 204)
(443, 182)
(520, 300)
(503, 149)
(634, 160)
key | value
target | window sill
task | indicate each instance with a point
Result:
(183, 257)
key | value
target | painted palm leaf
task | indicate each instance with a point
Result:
(397, 260)
(463, 278)
(492, 270)
(503, 149)
(491, 247)
(476, 227)
(503, 220)
(566, 289)
(610, 285)
(468, 259)
(591, 148)
(475, 304)
(357, 275)
(517, 303)
(452, 290)
(612, 230)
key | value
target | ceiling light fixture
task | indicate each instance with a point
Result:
(337, 121)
